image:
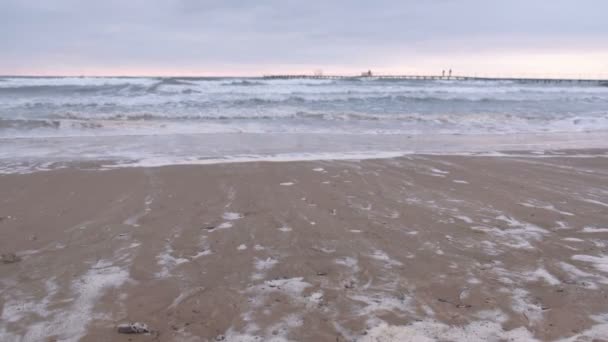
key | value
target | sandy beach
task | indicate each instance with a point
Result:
(508, 247)
(307, 171)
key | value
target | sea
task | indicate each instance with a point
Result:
(51, 122)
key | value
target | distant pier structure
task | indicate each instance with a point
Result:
(368, 74)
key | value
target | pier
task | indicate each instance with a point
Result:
(603, 82)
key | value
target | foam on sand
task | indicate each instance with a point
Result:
(429, 330)
(16, 310)
(224, 225)
(572, 239)
(370, 304)
(262, 265)
(232, 216)
(550, 207)
(601, 262)
(576, 274)
(382, 256)
(596, 332)
(265, 264)
(464, 218)
(595, 202)
(292, 286)
(442, 172)
(71, 324)
(167, 262)
(595, 230)
(518, 235)
(543, 274)
(285, 229)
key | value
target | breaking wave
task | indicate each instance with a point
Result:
(123, 105)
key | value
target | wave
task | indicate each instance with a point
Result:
(96, 120)
(106, 89)
(28, 124)
(168, 82)
(314, 123)
(179, 86)
(276, 100)
(244, 83)
(120, 89)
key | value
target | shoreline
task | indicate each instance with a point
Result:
(437, 246)
(35, 154)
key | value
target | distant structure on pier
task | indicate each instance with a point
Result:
(367, 73)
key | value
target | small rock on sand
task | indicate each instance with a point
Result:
(133, 328)
(9, 258)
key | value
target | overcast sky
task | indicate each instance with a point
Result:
(204, 37)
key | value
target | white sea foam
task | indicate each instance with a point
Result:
(224, 225)
(573, 239)
(428, 331)
(600, 262)
(595, 202)
(230, 216)
(543, 274)
(15, 310)
(349, 262)
(595, 230)
(285, 229)
(71, 324)
(550, 207)
(382, 256)
(523, 303)
(598, 331)
(292, 286)
(201, 253)
(167, 262)
(589, 280)
(517, 235)
(464, 218)
(442, 172)
(265, 264)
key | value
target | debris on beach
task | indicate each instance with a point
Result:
(133, 328)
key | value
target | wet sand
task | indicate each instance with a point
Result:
(465, 248)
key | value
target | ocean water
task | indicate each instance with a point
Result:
(187, 119)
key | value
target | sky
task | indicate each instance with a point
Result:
(541, 38)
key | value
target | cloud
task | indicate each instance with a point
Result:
(227, 35)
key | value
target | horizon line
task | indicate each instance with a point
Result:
(482, 76)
